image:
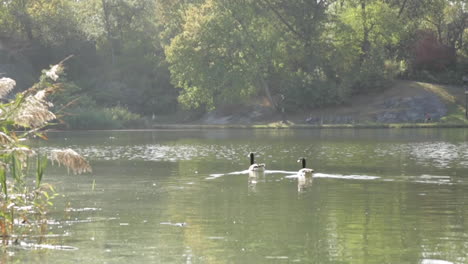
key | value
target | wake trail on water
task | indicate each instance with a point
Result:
(424, 178)
(218, 175)
(293, 174)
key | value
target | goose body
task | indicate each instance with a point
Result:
(304, 172)
(254, 166)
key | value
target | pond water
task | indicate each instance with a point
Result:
(183, 196)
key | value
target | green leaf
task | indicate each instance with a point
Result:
(40, 168)
(3, 181)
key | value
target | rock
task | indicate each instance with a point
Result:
(237, 115)
(411, 109)
(395, 106)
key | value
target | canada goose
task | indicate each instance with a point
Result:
(254, 166)
(304, 172)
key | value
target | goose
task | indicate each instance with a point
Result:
(254, 166)
(304, 172)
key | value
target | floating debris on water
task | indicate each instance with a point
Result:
(276, 257)
(86, 209)
(174, 224)
(216, 238)
(435, 261)
(32, 246)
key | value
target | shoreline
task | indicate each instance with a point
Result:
(280, 126)
(306, 126)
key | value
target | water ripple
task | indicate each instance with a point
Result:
(157, 152)
(428, 154)
(33, 246)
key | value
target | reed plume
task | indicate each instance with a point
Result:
(27, 113)
(55, 71)
(34, 112)
(6, 85)
(70, 159)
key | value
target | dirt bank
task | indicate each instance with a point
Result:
(404, 102)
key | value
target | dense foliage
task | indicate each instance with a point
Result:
(154, 57)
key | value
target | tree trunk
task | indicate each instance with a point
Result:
(365, 46)
(25, 20)
(266, 88)
(402, 8)
(110, 39)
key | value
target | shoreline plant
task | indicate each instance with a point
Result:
(24, 198)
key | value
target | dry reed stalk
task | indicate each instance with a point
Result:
(5, 139)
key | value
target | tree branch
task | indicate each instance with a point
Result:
(283, 20)
(402, 8)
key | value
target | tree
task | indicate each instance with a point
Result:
(229, 51)
(367, 34)
(218, 57)
(129, 63)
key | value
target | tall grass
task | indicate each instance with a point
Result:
(25, 199)
(104, 118)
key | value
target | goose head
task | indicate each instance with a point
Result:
(303, 161)
(254, 166)
(304, 171)
(252, 158)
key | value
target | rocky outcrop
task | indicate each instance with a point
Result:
(411, 109)
(406, 102)
(241, 114)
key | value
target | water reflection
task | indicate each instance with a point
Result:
(435, 261)
(303, 183)
(441, 155)
(34, 246)
(381, 196)
(254, 178)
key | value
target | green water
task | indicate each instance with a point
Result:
(168, 196)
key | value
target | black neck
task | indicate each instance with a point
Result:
(303, 163)
(252, 158)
